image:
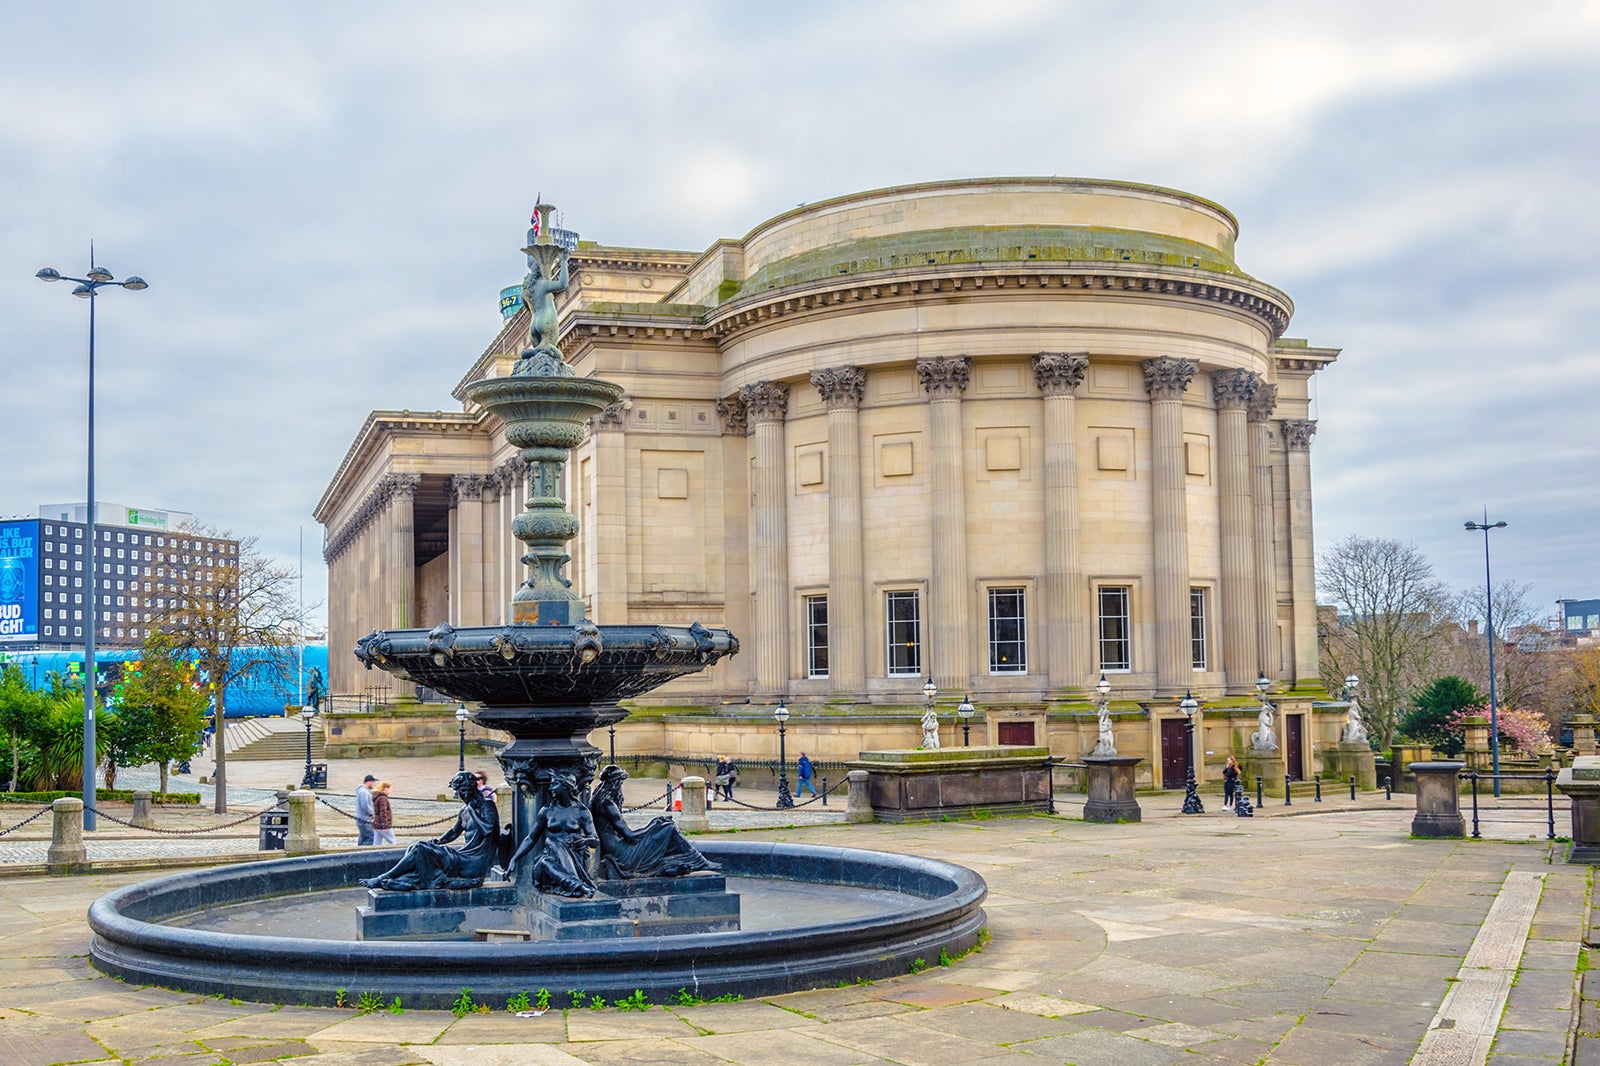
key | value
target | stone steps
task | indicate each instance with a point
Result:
(260, 739)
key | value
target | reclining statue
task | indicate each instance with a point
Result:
(429, 864)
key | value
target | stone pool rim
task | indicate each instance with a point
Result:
(944, 913)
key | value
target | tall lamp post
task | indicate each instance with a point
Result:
(1488, 617)
(98, 278)
(306, 714)
(1191, 795)
(461, 723)
(965, 712)
(780, 714)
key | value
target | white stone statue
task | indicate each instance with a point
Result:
(1355, 731)
(930, 729)
(1263, 739)
(1107, 745)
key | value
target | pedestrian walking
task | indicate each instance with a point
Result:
(364, 831)
(483, 785)
(382, 815)
(1230, 781)
(727, 774)
(802, 774)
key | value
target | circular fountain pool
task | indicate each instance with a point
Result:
(282, 931)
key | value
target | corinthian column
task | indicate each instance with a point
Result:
(1261, 504)
(609, 596)
(1165, 379)
(841, 388)
(1302, 566)
(945, 380)
(765, 404)
(403, 549)
(1058, 375)
(469, 562)
(1233, 389)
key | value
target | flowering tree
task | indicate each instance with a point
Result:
(1523, 729)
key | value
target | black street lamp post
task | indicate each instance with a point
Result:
(965, 712)
(613, 731)
(98, 278)
(1488, 621)
(306, 714)
(461, 722)
(781, 715)
(1191, 795)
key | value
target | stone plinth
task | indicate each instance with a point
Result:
(1584, 740)
(1270, 766)
(142, 818)
(66, 835)
(303, 839)
(1581, 783)
(858, 800)
(1438, 800)
(437, 915)
(1343, 761)
(692, 818)
(1111, 789)
(923, 785)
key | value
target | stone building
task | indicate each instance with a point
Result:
(1007, 433)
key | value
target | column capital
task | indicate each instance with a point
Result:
(1232, 389)
(467, 486)
(1167, 376)
(735, 417)
(1060, 373)
(403, 485)
(1297, 434)
(611, 416)
(944, 379)
(1262, 403)
(840, 386)
(765, 401)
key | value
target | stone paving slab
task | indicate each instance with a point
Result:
(1111, 944)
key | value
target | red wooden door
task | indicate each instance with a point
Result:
(1019, 733)
(1174, 754)
(1293, 739)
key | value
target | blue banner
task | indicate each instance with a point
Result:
(19, 581)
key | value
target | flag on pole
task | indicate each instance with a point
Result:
(534, 221)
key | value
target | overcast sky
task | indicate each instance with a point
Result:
(326, 199)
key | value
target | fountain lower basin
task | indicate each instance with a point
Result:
(906, 908)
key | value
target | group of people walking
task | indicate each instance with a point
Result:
(374, 814)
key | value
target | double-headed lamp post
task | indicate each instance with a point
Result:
(461, 722)
(306, 714)
(99, 277)
(780, 714)
(1488, 620)
(965, 712)
(1191, 795)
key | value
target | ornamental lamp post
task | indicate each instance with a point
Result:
(309, 780)
(98, 278)
(780, 714)
(1351, 681)
(1191, 795)
(965, 712)
(1488, 617)
(461, 722)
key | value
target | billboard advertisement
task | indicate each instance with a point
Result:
(19, 581)
(510, 300)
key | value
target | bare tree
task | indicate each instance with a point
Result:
(1526, 669)
(1389, 623)
(234, 610)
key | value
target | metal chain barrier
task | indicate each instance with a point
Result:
(415, 825)
(665, 797)
(183, 832)
(836, 786)
(40, 813)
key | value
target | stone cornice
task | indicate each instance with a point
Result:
(378, 425)
(1060, 373)
(765, 401)
(1167, 376)
(1232, 389)
(944, 379)
(1297, 433)
(840, 386)
(1262, 403)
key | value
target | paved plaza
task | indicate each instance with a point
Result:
(1306, 935)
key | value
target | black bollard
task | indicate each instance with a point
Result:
(1288, 800)
(1241, 802)
(1258, 791)
(1318, 780)
(1388, 793)
(824, 791)
(1352, 786)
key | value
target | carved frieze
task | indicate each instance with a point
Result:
(1166, 377)
(1233, 389)
(735, 420)
(1060, 373)
(765, 401)
(840, 386)
(1262, 403)
(1297, 433)
(944, 378)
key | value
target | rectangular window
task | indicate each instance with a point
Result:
(904, 632)
(1008, 632)
(1116, 645)
(816, 636)
(77, 631)
(1197, 628)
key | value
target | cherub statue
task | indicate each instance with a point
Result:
(1355, 730)
(547, 275)
(1263, 739)
(930, 729)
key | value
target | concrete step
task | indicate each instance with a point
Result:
(272, 738)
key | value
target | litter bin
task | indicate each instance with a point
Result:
(274, 829)
(319, 775)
